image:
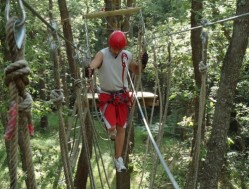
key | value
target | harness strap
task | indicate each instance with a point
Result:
(114, 94)
(116, 98)
(123, 57)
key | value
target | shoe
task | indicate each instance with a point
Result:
(113, 134)
(120, 165)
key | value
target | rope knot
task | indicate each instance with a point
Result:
(17, 72)
(203, 67)
(78, 83)
(56, 95)
(26, 104)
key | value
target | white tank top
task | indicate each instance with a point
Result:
(110, 72)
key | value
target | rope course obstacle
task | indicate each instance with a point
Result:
(16, 78)
(82, 112)
(136, 94)
(20, 102)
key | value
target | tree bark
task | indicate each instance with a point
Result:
(229, 78)
(196, 44)
(82, 171)
(67, 31)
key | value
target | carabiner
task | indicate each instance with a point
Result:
(7, 12)
(23, 14)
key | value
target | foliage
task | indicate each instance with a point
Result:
(161, 17)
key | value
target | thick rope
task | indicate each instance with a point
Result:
(16, 78)
(57, 98)
(202, 102)
(130, 127)
(82, 117)
(165, 166)
(24, 140)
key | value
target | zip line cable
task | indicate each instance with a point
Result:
(49, 25)
(167, 34)
(207, 24)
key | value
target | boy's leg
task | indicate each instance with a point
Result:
(119, 141)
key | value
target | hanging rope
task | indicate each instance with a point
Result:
(202, 102)
(164, 117)
(16, 78)
(57, 98)
(82, 117)
(167, 170)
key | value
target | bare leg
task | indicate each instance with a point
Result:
(119, 142)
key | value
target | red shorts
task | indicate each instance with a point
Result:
(114, 108)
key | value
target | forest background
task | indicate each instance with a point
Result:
(205, 145)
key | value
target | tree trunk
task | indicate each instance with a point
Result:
(196, 44)
(229, 78)
(67, 31)
(82, 171)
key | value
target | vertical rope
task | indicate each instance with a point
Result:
(57, 97)
(79, 101)
(16, 78)
(203, 70)
(24, 140)
(164, 116)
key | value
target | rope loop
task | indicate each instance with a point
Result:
(204, 37)
(56, 95)
(26, 104)
(15, 37)
(203, 67)
(78, 83)
(7, 11)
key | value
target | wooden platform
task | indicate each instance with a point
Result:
(147, 97)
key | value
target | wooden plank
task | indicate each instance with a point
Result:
(131, 10)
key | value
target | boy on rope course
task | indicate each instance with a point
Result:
(113, 63)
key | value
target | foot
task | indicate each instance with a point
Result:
(120, 165)
(112, 134)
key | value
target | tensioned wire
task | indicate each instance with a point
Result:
(165, 166)
(166, 34)
(206, 24)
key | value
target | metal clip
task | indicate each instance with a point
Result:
(18, 27)
(7, 12)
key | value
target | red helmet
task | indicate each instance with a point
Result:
(117, 40)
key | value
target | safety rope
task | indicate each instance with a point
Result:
(202, 102)
(16, 78)
(132, 111)
(206, 24)
(79, 101)
(164, 115)
(57, 98)
(167, 170)
(98, 151)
